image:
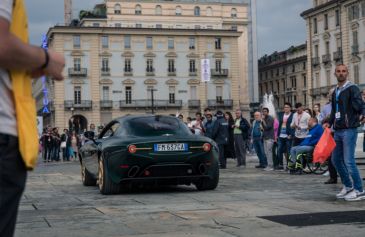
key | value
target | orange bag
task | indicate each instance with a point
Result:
(324, 147)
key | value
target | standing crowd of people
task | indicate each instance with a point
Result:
(290, 133)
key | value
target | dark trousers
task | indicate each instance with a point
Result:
(284, 146)
(222, 158)
(240, 149)
(297, 141)
(47, 153)
(259, 148)
(12, 183)
(332, 169)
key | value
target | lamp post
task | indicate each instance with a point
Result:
(152, 100)
(72, 118)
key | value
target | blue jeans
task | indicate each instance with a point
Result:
(343, 158)
(297, 150)
(284, 146)
(259, 148)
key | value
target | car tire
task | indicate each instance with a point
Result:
(86, 177)
(106, 185)
(209, 183)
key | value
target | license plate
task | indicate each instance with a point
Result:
(171, 147)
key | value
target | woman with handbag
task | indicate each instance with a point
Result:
(64, 147)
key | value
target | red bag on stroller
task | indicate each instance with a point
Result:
(324, 147)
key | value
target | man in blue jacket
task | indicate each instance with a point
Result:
(220, 136)
(307, 145)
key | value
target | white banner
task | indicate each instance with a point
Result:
(40, 125)
(205, 70)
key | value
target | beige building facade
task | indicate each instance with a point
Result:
(335, 34)
(125, 53)
(284, 75)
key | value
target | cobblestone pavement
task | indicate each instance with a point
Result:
(56, 204)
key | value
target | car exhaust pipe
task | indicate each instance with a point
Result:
(202, 168)
(133, 171)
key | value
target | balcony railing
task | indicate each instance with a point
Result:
(194, 103)
(171, 72)
(193, 72)
(219, 72)
(77, 72)
(83, 104)
(220, 103)
(128, 72)
(106, 104)
(326, 58)
(150, 71)
(147, 104)
(105, 71)
(355, 49)
(337, 56)
(315, 61)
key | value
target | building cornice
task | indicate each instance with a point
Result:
(327, 5)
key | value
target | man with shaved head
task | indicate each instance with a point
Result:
(347, 109)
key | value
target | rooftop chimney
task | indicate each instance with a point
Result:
(68, 12)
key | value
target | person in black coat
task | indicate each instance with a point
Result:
(64, 146)
(220, 136)
(229, 147)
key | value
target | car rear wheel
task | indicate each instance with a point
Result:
(86, 177)
(209, 183)
(106, 185)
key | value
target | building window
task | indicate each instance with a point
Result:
(77, 95)
(192, 67)
(105, 41)
(127, 41)
(328, 77)
(353, 12)
(293, 68)
(233, 27)
(138, 25)
(159, 26)
(96, 24)
(178, 11)
(138, 10)
(193, 93)
(172, 95)
(197, 11)
(149, 43)
(117, 9)
(304, 80)
(76, 41)
(105, 65)
(233, 12)
(219, 93)
(191, 43)
(327, 47)
(171, 65)
(158, 10)
(363, 8)
(337, 16)
(305, 99)
(315, 26)
(218, 42)
(77, 64)
(316, 51)
(356, 74)
(197, 27)
(149, 65)
(105, 92)
(283, 72)
(171, 43)
(304, 65)
(128, 95)
(325, 21)
(127, 65)
(118, 25)
(209, 11)
(218, 65)
(355, 40)
(317, 83)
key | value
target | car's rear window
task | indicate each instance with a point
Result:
(156, 126)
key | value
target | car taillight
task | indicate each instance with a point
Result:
(207, 147)
(132, 149)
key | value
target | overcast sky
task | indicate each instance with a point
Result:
(279, 24)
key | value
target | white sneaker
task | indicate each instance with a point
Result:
(344, 192)
(268, 169)
(355, 195)
(327, 173)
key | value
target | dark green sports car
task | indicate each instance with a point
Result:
(149, 149)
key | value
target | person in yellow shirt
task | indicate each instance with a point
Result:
(19, 62)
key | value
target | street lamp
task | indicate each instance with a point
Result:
(152, 99)
(72, 118)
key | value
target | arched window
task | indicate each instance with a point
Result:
(209, 11)
(178, 11)
(138, 10)
(234, 12)
(117, 9)
(158, 10)
(197, 11)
